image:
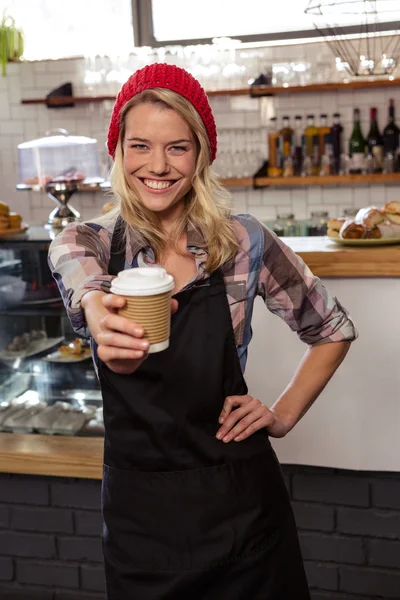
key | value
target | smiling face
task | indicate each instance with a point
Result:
(159, 158)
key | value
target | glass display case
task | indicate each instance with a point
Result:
(47, 380)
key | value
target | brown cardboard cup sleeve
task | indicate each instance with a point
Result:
(148, 302)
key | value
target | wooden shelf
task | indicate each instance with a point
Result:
(377, 178)
(238, 182)
(250, 91)
(260, 182)
(63, 100)
(325, 87)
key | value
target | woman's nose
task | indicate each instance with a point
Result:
(158, 162)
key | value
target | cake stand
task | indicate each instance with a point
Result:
(61, 192)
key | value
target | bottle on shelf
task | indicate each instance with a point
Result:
(287, 147)
(307, 167)
(288, 170)
(275, 153)
(311, 143)
(375, 142)
(298, 143)
(327, 159)
(316, 163)
(287, 137)
(356, 145)
(391, 135)
(323, 130)
(337, 131)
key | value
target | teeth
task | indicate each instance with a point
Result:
(157, 185)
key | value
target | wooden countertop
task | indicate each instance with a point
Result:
(324, 257)
(328, 259)
(58, 456)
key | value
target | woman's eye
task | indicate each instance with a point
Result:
(139, 146)
(179, 148)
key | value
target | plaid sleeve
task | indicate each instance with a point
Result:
(78, 259)
(292, 292)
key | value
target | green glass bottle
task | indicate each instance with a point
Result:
(357, 145)
(375, 142)
(391, 133)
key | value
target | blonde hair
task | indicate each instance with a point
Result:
(207, 204)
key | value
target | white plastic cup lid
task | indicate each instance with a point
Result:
(146, 281)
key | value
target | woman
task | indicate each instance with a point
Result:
(193, 498)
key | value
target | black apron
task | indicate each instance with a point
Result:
(187, 516)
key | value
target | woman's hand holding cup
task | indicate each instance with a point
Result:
(121, 342)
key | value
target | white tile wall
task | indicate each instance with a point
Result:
(25, 122)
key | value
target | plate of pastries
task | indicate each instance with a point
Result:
(10, 222)
(75, 351)
(371, 226)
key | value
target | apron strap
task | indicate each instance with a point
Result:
(118, 249)
(217, 277)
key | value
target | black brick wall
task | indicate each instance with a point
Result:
(349, 528)
(50, 546)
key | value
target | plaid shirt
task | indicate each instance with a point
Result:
(264, 266)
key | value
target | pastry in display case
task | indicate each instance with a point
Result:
(10, 222)
(75, 351)
(60, 158)
(48, 384)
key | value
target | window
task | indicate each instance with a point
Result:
(58, 29)
(226, 18)
(166, 22)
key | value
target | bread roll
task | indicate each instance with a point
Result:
(352, 231)
(4, 223)
(336, 223)
(392, 211)
(332, 233)
(392, 207)
(373, 234)
(4, 209)
(334, 226)
(369, 217)
(393, 218)
(15, 220)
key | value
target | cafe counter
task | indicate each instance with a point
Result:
(327, 258)
(338, 431)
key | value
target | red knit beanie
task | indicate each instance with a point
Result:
(172, 78)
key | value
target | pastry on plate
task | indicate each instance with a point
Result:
(334, 226)
(392, 211)
(4, 223)
(374, 233)
(352, 231)
(15, 220)
(369, 217)
(75, 348)
(4, 209)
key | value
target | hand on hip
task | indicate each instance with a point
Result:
(242, 416)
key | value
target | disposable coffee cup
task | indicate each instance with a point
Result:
(148, 302)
